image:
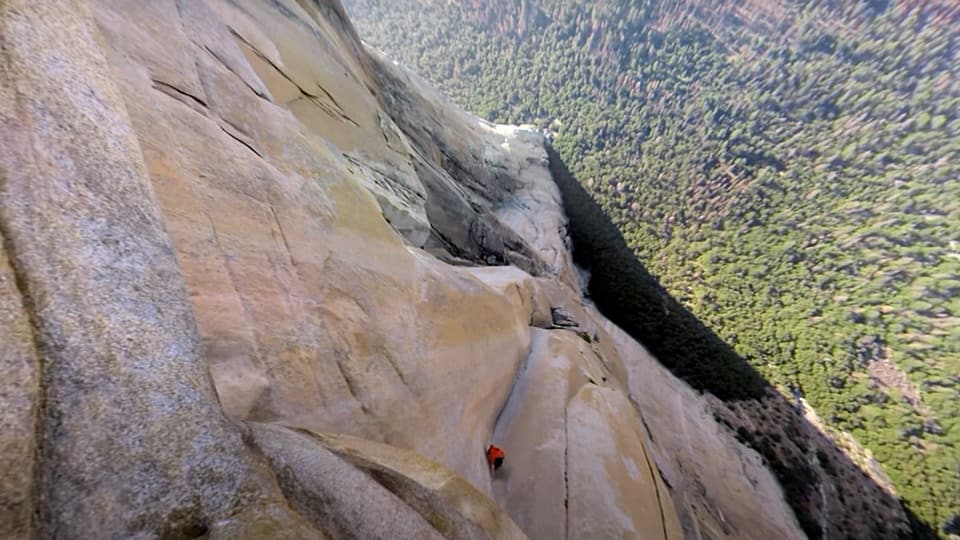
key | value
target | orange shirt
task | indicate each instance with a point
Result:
(495, 456)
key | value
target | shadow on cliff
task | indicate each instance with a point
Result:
(757, 414)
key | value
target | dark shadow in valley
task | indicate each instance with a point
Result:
(817, 477)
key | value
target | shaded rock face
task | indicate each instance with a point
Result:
(259, 282)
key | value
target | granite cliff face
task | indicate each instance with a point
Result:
(260, 282)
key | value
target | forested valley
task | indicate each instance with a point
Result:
(789, 170)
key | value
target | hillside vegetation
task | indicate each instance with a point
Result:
(789, 171)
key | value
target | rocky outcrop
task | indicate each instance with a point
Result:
(491, 198)
(258, 282)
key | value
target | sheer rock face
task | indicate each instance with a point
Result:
(243, 295)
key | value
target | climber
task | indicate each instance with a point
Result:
(495, 457)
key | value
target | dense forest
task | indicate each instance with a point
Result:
(789, 170)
